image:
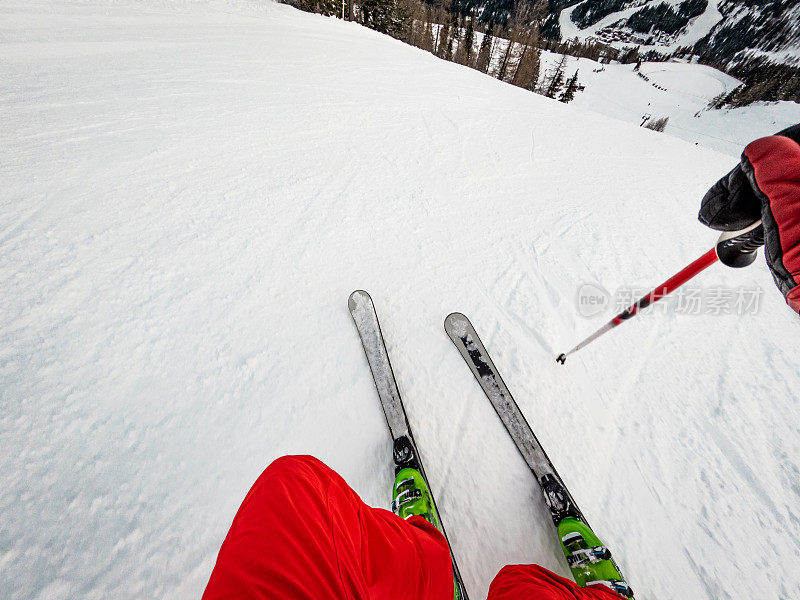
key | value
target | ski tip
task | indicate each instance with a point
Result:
(455, 315)
(561, 358)
(356, 298)
(456, 324)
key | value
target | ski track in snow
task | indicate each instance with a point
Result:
(191, 192)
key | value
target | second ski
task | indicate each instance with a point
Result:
(589, 560)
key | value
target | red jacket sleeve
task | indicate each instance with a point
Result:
(772, 164)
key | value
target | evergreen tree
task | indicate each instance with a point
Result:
(498, 12)
(469, 36)
(443, 40)
(666, 18)
(385, 16)
(527, 73)
(589, 13)
(416, 28)
(718, 101)
(556, 79)
(523, 39)
(763, 81)
(657, 124)
(460, 52)
(485, 52)
(629, 55)
(427, 37)
(452, 38)
(501, 73)
(569, 92)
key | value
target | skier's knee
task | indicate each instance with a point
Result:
(515, 581)
(297, 470)
(292, 462)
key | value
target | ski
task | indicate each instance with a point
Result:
(581, 547)
(404, 450)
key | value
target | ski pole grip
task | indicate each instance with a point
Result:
(739, 248)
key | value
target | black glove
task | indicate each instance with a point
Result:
(765, 186)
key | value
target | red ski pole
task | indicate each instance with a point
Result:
(735, 249)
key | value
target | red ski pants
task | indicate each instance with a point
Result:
(303, 534)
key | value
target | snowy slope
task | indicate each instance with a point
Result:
(768, 28)
(700, 26)
(189, 196)
(680, 91)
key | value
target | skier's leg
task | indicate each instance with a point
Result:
(537, 583)
(303, 534)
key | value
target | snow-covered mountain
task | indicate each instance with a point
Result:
(190, 192)
(754, 28)
(678, 90)
(724, 30)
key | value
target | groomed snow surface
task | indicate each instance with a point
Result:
(190, 193)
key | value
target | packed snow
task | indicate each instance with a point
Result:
(190, 194)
